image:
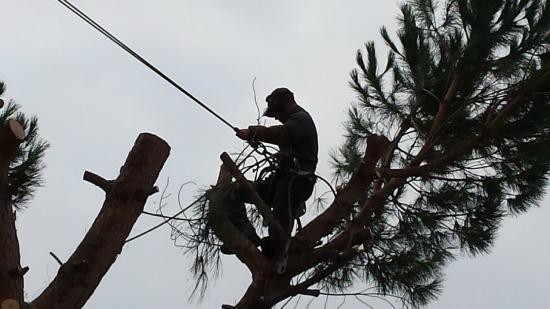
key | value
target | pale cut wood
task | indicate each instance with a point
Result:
(11, 135)
(10, 304)
(16, 129)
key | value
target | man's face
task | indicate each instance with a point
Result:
(278, 116)
(275, 109)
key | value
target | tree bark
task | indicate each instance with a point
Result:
(323, 224)
(266, 289)
(246, 251)
(11, 274)
(77, 279)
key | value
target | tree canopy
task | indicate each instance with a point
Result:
(464, 99)
(449, 134)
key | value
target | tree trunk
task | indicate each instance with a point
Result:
(11, 274)
(267, 289)
(77, 279)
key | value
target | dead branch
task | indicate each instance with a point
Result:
(77, 279)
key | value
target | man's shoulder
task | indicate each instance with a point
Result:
(300, 114)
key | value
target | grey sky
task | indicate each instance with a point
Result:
(92, 100)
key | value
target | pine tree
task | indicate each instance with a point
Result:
(21, 153)
(448, 136)
(25, 170)
(465, 102)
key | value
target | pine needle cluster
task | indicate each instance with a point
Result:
(485, 160)
(25, 170)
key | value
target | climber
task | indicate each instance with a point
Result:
(291, 184)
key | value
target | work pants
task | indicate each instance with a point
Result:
(283, 192)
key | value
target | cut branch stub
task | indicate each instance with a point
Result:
(10, 304)
(97, 180)
(77, 279)
(1, 103)
(11, 136)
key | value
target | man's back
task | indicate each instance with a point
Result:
(300, 140)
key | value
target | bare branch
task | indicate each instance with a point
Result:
(77, 279)
(58, 260)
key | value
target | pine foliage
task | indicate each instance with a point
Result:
(463, 92)
(475, 57)
(25, 170)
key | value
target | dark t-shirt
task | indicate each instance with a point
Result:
(300, 140)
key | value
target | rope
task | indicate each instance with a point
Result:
(125, 47)
(262, 151)
(165, 221)
(328, 184)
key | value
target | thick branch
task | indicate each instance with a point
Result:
(11, 274)
(443, 107)
(486, 132)
(258, 201)
(466, 148)
(304, 287)
(340, 208)
(331, 251)
(77, 279)
(245, 250)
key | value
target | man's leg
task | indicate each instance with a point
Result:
(281, 209)
(290, 192)
(236, 212)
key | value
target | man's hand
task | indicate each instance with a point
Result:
(243, 134)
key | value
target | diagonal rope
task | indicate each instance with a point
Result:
(125, 47)
(167, 220)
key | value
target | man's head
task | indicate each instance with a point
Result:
(279, 103)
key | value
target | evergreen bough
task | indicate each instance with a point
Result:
(463, 97)
(471, 58)
(25, 170)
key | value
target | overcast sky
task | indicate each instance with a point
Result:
(92, 101)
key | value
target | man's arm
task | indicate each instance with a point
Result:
(271, 135)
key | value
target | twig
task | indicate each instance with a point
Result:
(165, 221)
(256, 100)
(56, 258)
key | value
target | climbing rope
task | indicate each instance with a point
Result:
(174, 217)
(125, 47)
(258, 147)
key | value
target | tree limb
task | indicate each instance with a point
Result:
(325, 222)
(485, 133)
(77, 279)
(256, 198)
